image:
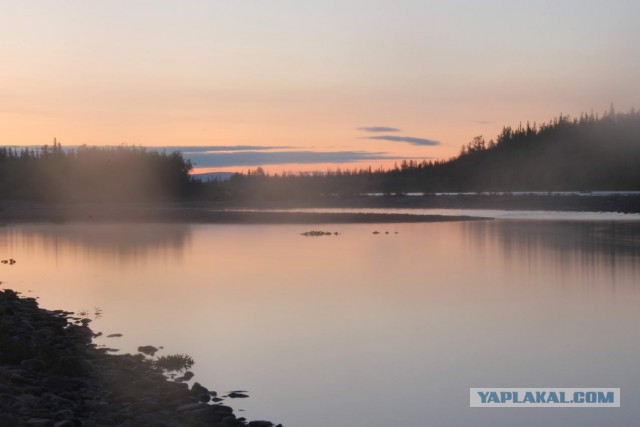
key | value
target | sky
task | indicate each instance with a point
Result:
(307, 85)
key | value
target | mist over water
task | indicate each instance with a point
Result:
(360, 329)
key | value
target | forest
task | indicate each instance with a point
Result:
(585, 153)
(93, 174)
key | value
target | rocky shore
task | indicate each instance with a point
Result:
(52, 375)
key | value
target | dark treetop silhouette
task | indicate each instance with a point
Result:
(93, 174)
(587, 153)
(581, 154)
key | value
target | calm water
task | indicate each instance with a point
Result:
(361, 329)
(483, 213)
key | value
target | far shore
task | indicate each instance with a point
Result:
(23, 212)
(489, 201)
(257, 211)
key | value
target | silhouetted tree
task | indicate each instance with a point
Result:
(93, 174)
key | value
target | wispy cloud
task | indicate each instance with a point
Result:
(222, 156)
(189, 149)
(378, 129)
(193, 149)
(260, 158)
(408, 139)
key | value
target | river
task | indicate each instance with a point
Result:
(360, 329)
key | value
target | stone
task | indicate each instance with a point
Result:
(237, 395)
(52, 375)
(316, 233)
(149, 350)
(57, 383)
(186, 377)
(197, 389)
(188, 407)
(36, 365)
(7, 420)
(223, 408)
(207, 414)
(64, 414)
(39, 422)
(230, 421)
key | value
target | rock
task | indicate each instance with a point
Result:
(223, 408)
(64, 414)
(207, 414)
(198, 389)
(230, 421)
(149, 420)
(57, 383)
(237, 395)
(7, 420)
(189, 407)
(186, 377)
(52, 375)
(34, 365)
(149, 350)
(260, 423)
(39, 422)
(315, 233)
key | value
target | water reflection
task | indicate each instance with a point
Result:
(594, 249)
(124, 243)
(336, 330)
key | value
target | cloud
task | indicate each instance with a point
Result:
(194, 149)
(248, 155)
(189, 149)
(409, 139)
(260, 158)
(378, 129)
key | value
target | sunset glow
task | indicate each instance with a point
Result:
(308, 75)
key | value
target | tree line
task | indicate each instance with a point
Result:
(93, 174)
(585, 153)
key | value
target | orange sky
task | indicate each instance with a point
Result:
(307, 75)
